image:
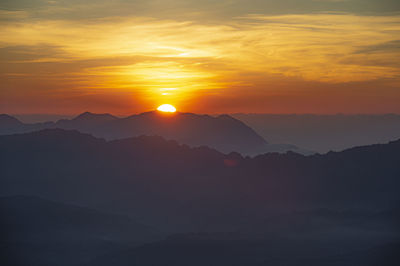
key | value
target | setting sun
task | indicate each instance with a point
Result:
(166, 108)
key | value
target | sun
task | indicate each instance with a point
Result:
(166, 108)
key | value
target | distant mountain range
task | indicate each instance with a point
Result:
(323, 133)
(223, 132)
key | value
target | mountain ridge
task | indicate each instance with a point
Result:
(222, 132)
(276, 202)
(156, 157)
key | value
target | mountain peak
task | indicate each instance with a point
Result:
(223, 132)
(8, 120)
(225, 116)
(93, 116)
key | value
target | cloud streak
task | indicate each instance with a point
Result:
(275, 56)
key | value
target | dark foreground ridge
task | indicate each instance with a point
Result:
(340, 208)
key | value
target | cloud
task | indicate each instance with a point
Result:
(191, 9)
(246, 55)
(29, 53)
(390, 46)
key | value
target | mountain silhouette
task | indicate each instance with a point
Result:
(323, 133)
(10, 125)
(222, 132)
(153, 178)
(9, 121)
(214, 250)
(48, 232)
(85, 122)
(219, 209)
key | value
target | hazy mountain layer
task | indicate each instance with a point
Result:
(322, 133)
(156, 179)
(223, 132)
(36, 231)
(275, 209)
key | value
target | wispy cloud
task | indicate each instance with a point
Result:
(250, 54)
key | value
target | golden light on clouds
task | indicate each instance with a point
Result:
(191, 64)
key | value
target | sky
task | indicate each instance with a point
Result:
(203, 56)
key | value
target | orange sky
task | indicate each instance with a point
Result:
(56, 60)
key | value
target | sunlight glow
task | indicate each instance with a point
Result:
(129, 63)
(166, 108)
